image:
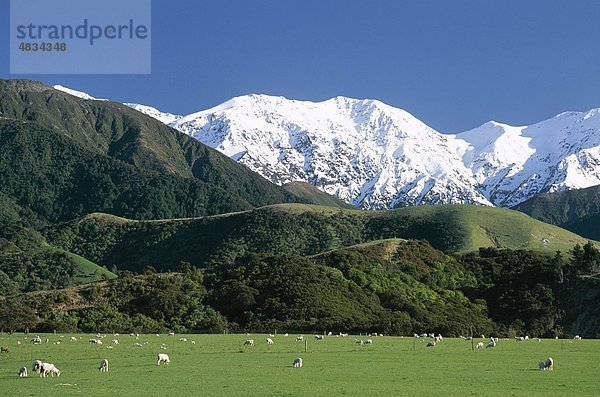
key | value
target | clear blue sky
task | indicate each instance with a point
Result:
(453, 64)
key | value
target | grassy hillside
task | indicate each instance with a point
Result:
(29, 263)
(576, 210)
(300, 230)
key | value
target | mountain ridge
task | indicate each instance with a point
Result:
(375, 156)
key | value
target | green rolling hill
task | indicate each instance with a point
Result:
(29, 263)
(300, 229)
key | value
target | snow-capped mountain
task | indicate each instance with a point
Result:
(376, 156)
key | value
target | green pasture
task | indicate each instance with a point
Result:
(220, 365)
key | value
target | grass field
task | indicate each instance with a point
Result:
(219, 365)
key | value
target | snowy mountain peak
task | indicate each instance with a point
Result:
(376, 156)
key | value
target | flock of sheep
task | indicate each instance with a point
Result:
(48, 369)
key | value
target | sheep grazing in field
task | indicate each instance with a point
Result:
(49, 369)
(182, 339)
(36, 340)
(103, 365)
(547, 365)
(163, 358)
(249, 342)
(369, 342)
(440, 337)
(115, 341)
(286, 334)
(73, 339)
(269, 341)
(36, 367)
(171, 333)
(95, 341)
(319, 337)
(491, 344)
(577, 337)
(3, 349)
(23, 372)
(519, 338)
(360, 342)
(193, 342)
(423, 335)
(297, 362)
(479, 345)
(431, 344)
(299, 338)
(272, 335)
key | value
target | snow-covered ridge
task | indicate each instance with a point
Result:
(163, 117)
(376, 156)
(78, 94)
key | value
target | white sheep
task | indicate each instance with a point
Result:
(103, 365)
(249, 342)
(319, 337)
(269, 341)
(73, 339)
(193, 342)
(115, 341)
(36, 340)
(297, 362)
(171, 333)
(369, 342)
(163, 358)
(547, 365)
(479, 345)
(299, 338)
(182, 339)
(23, 372)
(49, 369)
(577, 337)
